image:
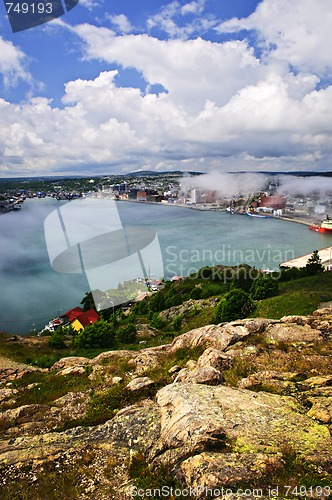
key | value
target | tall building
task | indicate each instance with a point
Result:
(196, 196)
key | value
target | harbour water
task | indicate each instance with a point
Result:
(32, 292)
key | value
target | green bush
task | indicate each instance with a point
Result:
(264, 287)
(57, 339)
(157, 322)
(100, 334)
(126, 334)
(244, 279)
(196, 293)
(157, 302)
(236, 304)
(293, 273)
(176, 323)
(173, 298)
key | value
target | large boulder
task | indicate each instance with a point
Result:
(202, 375)
(291, 332)
(202, 418)
(210, 471)
(70, 362)
(218, 337)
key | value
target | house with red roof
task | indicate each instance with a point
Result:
(70, 315)
(84, 319)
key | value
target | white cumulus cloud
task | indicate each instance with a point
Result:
(12, 63)
(298, 32)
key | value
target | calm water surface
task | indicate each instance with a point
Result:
(32, 292)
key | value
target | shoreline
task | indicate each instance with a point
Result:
(298, 220)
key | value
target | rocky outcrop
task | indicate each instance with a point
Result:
(207, 370)
(190, 305)
(218, 337)
(206, 427)
(292, 332)
(139, 383)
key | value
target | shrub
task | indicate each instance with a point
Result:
(176, 323)
(57, 339)
(243, 279)
(126, 334)
(172, 298)
(196, 293)
(236, 304)
(100, 334)
(293, 273)
(264, 287)
(158, 322)
(157, 302)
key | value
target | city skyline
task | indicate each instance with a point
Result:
(201, 85)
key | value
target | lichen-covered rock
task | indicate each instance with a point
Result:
(201, 375)
(215, 358)
(295, 319)
(321, 409)
(109, 356)
(218, 337)
(282, 381)
(69, 362)
(25, 413)
(145, 331)
(292, 333)
(139, 383)
(319, 381)
(190, 305)
(211, 471)
(7, 392)
(72, 370)
(255, 325)
(200, 416)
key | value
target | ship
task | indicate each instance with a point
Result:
(253, 213)
(325, 227)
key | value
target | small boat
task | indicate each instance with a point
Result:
(325, 227)
(257, 214)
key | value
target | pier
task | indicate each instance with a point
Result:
(325, 255)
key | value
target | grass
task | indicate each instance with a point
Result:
(55, 480)
(301, 297)
(46, 388)
(105, 404)
(299, 476)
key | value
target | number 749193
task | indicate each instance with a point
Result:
(29, 8)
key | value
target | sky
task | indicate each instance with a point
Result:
(193, 85)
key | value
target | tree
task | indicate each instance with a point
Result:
(314, 264)
(92, 299)
(100, 334)
(264, 287)
(236, 304)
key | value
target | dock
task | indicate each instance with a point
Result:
(325, 255)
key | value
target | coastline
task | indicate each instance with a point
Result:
(298, 220)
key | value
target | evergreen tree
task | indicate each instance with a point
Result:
(314, 264)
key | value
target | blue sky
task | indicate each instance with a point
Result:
(208, 85)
